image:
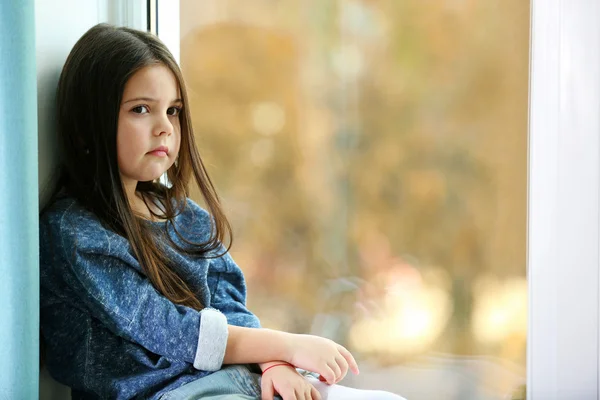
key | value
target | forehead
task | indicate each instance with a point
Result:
(154, 81)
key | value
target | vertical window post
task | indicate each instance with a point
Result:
(564, 182)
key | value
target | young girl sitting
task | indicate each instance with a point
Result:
(140, 299)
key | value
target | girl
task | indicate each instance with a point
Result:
(139, 296)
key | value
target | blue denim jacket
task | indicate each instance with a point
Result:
(108, 333)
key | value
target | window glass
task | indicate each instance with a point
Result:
(372, 158)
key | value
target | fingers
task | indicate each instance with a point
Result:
(350, 358)
(328, 374)
(311, 392)
(307, 391)
(301, 394)
(336, 370)
(288, 393)
(291, 392)
(266, 389)
(314, 393)
(343, 364)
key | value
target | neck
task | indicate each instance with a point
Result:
(137, 204)
(135, 200)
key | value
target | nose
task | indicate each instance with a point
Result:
(163, 127)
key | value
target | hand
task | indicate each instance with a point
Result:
(288, 383)
(321, 355)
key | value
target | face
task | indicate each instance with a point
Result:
(148, 133)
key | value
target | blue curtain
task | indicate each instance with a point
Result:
(19, 269)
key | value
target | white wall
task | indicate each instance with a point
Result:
(59, 23)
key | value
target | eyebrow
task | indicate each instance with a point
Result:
(150, 99)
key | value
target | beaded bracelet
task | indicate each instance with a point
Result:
(276, 365)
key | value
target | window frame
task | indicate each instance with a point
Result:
(563, 203)
(130, 13)
(167, 21)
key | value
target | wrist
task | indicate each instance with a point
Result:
(276, 364)
(281, 343)
(266, 365)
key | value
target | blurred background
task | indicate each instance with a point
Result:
(372, 158)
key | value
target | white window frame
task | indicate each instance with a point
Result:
(563, 195)
(168, 25)
(130, 13)
(564, 181)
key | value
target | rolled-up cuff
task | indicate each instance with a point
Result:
(212, 340)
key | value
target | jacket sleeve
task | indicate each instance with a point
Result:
(106, 281)
(230, 294)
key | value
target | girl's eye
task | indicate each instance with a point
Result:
(140, 110)
(173, 111)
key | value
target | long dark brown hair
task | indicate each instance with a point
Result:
(89, 95)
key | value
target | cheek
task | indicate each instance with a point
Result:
(177, 139)
(121, 145)
(126, 145)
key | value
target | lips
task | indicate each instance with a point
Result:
(161, 151)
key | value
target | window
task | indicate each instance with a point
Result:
(451, 78)
(372, 157)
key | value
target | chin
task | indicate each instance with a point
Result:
(150, 177)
